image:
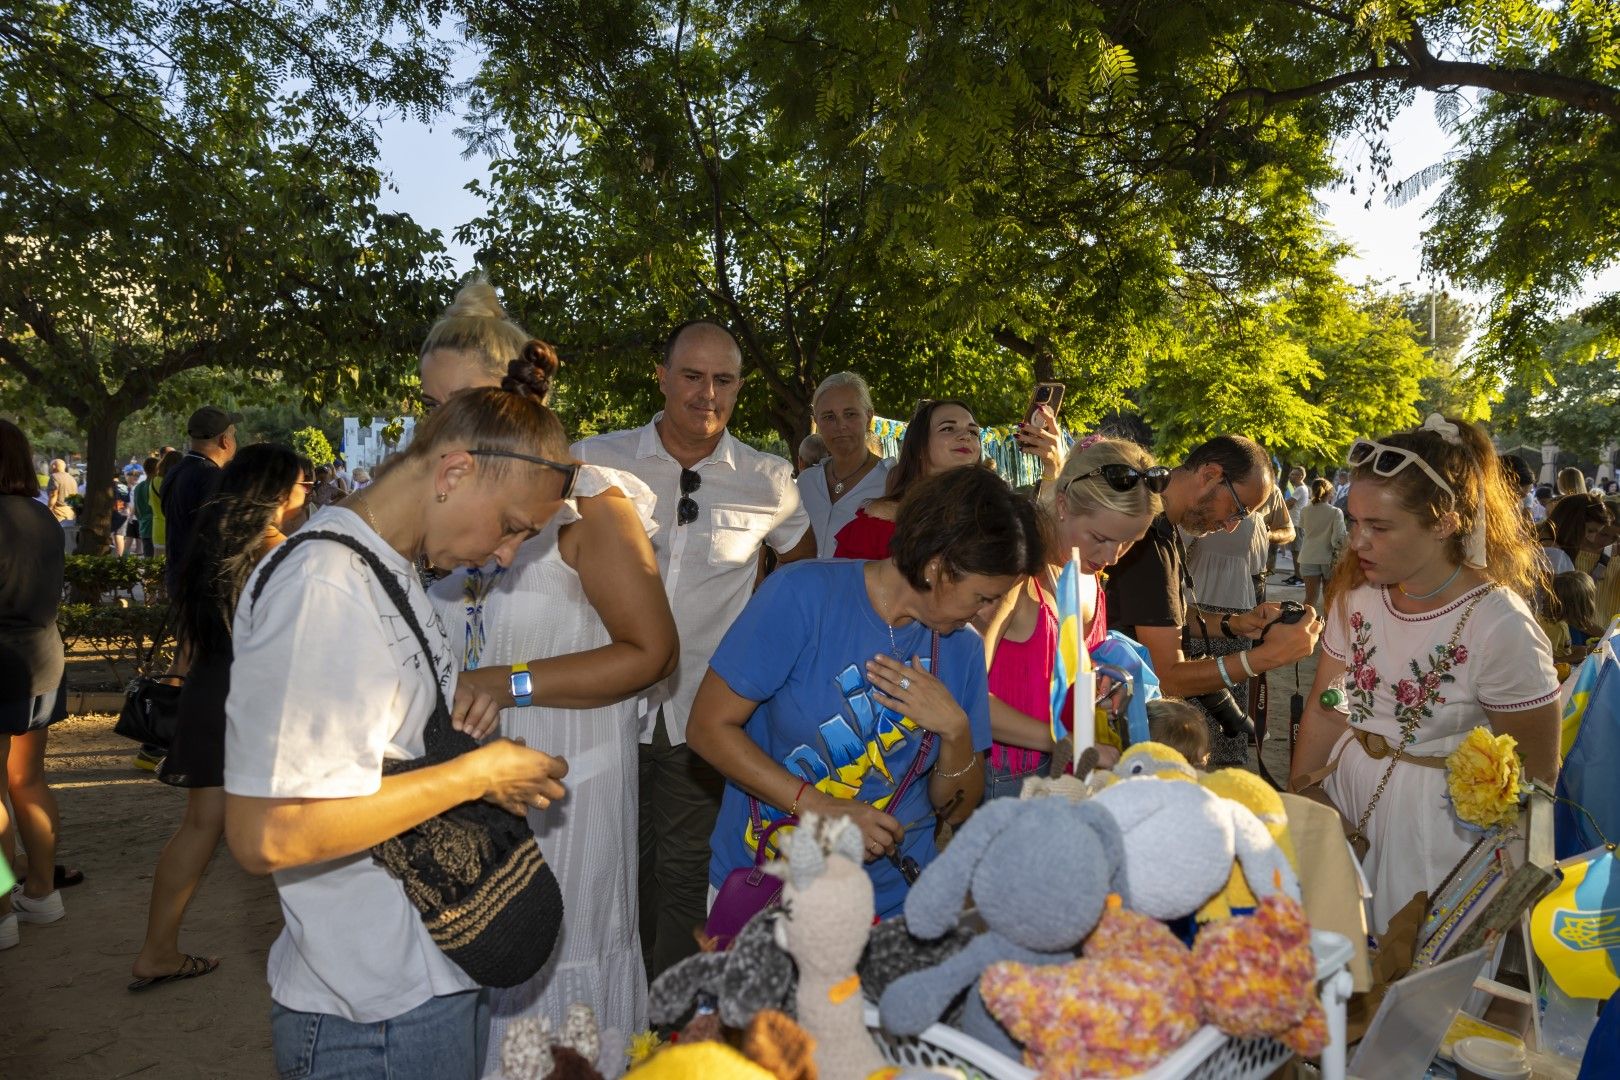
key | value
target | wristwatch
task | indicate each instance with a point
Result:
(522, 686)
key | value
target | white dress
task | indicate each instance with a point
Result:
(537, 608)
(1398, 663)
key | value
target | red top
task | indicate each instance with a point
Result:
(864, 538)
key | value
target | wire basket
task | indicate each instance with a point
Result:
(1208, 1055)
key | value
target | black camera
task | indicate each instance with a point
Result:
(1292, 612)
(1224, 708)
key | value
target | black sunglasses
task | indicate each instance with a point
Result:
(1122, 477)
(686, 511)
(570, 472)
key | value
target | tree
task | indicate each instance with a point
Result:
(311, 443)
(1576, 404)
(190, 189)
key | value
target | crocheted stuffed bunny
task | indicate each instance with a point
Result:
(1038, 871)
(1117, 1011)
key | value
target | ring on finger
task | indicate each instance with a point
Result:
(905, 682)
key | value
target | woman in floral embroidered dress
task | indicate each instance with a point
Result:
(1428, 622)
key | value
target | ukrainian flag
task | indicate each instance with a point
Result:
(1591, 745)
(1576, 928)
(1073, 664)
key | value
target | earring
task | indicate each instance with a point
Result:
(443, 496)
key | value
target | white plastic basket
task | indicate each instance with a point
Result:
(1208, 1055)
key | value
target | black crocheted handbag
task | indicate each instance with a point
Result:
(489, 900)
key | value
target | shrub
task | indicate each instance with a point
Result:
(311, 442)
(121, 636)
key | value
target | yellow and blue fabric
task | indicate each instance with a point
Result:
(1592, 730)
(1072, 660)
(1576, 928)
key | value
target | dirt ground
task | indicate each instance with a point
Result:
(62, 990)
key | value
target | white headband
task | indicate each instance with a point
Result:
(1474, 543)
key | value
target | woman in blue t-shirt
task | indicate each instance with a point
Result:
(839, 674)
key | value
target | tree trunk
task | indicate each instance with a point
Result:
(100, 466)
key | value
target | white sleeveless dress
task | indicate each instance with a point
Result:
(538, 608)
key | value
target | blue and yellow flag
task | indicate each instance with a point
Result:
(1576, 928)
(1073, 663)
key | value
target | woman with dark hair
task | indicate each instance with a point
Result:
(261, 491)
(841, 679)
(340, 664)
(33, 690)
(1429, 624)
(1573, 533)
(941, 435)
(581, 623)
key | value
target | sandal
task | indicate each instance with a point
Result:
(64, 878)
(191, 967)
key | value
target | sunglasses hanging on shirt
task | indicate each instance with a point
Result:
(686, 511)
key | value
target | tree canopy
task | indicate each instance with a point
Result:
(190, 187)
(1576, 404)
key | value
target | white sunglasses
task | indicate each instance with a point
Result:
(1386, 460)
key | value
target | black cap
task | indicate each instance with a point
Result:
(210, 422)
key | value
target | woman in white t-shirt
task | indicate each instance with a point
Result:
(1321, 532)
(328, 682)
(1428, 623)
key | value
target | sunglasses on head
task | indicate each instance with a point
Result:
(570, 471)
(686, 511)
(1122, 477)
(1385, 460)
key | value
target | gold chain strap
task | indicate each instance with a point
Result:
(1411, 726)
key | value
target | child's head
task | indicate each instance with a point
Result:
(1577, 601)
(1181, 726)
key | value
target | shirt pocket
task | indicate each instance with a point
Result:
(735, 535)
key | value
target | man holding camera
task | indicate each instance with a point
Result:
(1150, 592)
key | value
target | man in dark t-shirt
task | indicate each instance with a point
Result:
(1220, 483)
(194, 480)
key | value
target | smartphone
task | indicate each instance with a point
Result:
(1049, 394)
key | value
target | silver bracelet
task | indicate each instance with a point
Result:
(1243, 658)
(972, 761)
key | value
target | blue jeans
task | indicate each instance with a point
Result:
(1000, 783)
(441, 1039)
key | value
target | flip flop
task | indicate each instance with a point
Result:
(64, 878)
(192, 967)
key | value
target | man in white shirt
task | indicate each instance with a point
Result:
(852, 475)
(720, 502)
(1297, 496)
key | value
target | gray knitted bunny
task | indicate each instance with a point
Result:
(1039, 873)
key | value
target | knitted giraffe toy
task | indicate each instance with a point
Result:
(826, 917)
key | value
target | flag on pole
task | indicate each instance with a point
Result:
(1072, 671)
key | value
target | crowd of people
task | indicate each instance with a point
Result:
(668, 641)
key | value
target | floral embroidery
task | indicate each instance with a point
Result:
(1416, 697)
(1363, 678)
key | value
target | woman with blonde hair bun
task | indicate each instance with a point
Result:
(563, 639)
(1103, 501)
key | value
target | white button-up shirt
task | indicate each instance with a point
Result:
(747, 499)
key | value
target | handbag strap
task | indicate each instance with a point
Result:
(439, 738)
(1409, 726)
(918, 764)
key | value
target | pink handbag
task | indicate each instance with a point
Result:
(748, 890)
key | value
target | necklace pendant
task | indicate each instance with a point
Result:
(838, 488)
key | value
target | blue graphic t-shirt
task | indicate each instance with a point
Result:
(800, 649)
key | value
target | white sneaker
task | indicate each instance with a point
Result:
(45, 910)
(8, 932)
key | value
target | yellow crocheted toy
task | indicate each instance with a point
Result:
(1246, 788)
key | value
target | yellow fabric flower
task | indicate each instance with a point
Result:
(1482, 775)
(643, 1044)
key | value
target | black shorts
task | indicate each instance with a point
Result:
(30, 714)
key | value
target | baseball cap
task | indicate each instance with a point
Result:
(209, 422)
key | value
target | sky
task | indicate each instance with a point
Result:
(430, 174)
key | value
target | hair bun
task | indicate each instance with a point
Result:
(477, 300)
(530, 374)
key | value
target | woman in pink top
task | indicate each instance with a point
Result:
(1103, 502)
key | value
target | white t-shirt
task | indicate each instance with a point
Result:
(747, 499)
(1302, 498)
(826, 516)
(1559, 559)
(328, 681)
